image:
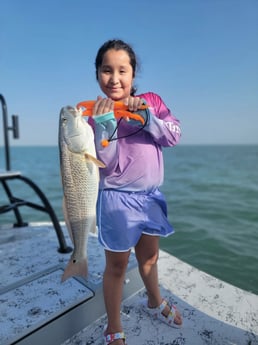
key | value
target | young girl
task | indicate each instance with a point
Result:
(131, 210)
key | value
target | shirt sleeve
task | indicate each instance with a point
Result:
(161, 124)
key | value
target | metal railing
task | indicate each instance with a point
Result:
(14, 202)
(14, 128)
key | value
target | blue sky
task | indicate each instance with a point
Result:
(200, 56)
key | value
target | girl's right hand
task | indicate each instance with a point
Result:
(103, 106)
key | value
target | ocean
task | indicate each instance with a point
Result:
(212, 197)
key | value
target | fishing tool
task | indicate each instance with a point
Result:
(120, 111)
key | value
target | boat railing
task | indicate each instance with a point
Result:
(15, 202)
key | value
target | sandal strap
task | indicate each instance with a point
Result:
(114, 336)
(163, 305)
(172, 308)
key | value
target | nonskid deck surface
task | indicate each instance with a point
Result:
(215, 313)
(35, 306)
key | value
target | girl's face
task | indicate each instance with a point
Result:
(115, 75)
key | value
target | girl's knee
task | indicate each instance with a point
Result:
(117, 269)
(117, 265)
(149, 260)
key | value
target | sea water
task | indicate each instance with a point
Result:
(212, 197)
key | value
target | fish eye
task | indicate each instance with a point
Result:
(64, 120)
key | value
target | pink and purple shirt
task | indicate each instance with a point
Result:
(134, 162)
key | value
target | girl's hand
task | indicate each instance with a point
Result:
(103, 106)
(133, 103)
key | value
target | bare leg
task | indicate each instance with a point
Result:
(147, 253)
(113, 280)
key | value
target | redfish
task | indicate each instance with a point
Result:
(80, 179)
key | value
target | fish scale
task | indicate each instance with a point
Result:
(80, 195)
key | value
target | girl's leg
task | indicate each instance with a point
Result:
(147, 253)
(113, 280)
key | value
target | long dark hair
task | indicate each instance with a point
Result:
(117, 45)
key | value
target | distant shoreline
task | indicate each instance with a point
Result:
(185, 145)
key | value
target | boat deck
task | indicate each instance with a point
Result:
(36, 308)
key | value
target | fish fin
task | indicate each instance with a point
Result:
(67, 222)
(75, 268)
(94, 160)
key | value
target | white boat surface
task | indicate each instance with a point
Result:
(36, 308)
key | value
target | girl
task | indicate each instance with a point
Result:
(131, 211)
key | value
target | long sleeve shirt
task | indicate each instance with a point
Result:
(134, 162)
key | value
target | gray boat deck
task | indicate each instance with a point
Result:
(36, 308)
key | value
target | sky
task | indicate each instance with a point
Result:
(200, 56)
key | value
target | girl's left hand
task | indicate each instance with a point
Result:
(133, 103)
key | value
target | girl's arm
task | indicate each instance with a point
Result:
(162, 125)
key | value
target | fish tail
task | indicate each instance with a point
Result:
(75, 268)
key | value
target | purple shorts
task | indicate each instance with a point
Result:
(122, 218)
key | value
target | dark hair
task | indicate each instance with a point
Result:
(117, 45)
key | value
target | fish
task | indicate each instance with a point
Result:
(80, 181)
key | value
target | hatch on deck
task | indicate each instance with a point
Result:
(49, 312)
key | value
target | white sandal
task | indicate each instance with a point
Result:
(157, 313)
(109, 338)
